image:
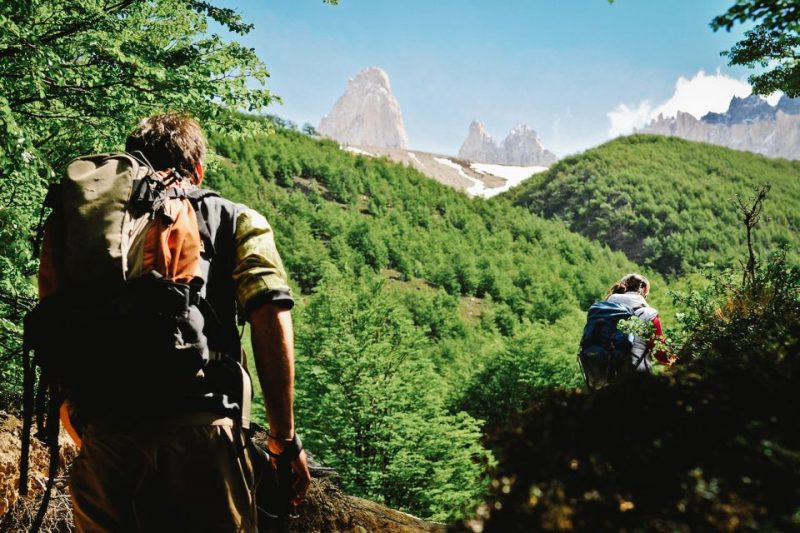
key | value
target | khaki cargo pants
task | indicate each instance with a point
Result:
(187, 475)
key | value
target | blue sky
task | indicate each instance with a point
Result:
(559, 66)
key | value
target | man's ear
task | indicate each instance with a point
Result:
(199, 171)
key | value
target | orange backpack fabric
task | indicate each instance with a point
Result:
(172, 245)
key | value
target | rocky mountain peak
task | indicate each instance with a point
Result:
(479, 128)
(790, 106)
(520, 129)
(521, 147)
(745, 110)
(370, 79)
(750, 124)
(367, 114)
(479, 145)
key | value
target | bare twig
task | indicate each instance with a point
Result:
(751, 210)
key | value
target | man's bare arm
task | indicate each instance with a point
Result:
(272, 335)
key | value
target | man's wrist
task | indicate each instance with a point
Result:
(287, 449)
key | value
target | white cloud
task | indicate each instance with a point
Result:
(624, 119)
(773, 98)
(701, 94)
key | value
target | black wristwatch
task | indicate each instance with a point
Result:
(291, 449)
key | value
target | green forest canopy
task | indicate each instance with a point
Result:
(489, 299)
(667, 203)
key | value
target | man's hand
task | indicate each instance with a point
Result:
(302, 477)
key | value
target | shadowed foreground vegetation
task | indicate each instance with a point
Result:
(712, 446)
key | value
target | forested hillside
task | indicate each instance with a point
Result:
(423, 314)
(667, 203)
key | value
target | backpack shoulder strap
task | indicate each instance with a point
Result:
(50, 202)
(196, 197)
(198, 194)
(226, 335)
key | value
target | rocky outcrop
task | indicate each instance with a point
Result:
(750, 124)
(474, 179)
(778, 138)
(17, 512)
(521, 147)
(367, 114)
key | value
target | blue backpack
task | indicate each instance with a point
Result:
(605, 354)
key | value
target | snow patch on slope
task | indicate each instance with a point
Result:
(359, 151)
(512, 174)
(478, 188)
(414, 157)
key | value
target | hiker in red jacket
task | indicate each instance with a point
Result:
(632, 291)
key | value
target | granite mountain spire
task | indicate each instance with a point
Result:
(367, 114)
(521, 146)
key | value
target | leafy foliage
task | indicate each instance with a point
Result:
(665, 202)
(535, 359)
(357, 213)
(333, 211)
(750, 315)
(372, 404)
(774, 43)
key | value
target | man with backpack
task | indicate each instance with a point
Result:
(143, 281)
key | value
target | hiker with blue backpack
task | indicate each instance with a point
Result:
(612, 346)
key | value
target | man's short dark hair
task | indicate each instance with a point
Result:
(170, 141)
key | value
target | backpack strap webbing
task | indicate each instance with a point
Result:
(148, 195)
(51, 439)
(640, 359)
(645, 353)
(51, 202)
(217, 333)
(49, 399)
